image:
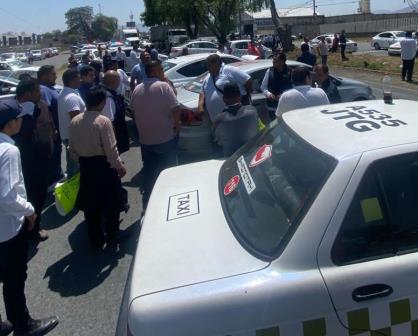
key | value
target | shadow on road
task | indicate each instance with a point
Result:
(84, 268)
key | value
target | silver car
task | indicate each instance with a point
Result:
(386, 39)
(194, 47)
(308, 230)
(195, 138)
(181, 70)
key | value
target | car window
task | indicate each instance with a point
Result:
(257, 79)
(168, 65)
(207, 45)
(267, 186)
(194, 45)
(400, 34)
(3, 66)
(194, 69)
(241, 45)
(382, 219)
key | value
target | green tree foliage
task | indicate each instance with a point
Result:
(218, 16)
(79, 21)
(172, 12)
(104, 27)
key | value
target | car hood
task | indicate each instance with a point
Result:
(185, 238)
(187, 98)
(348, 81)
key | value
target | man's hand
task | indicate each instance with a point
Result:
(31, 221)
(271, 96)
(121, 171)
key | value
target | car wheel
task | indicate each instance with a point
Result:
(376, 46)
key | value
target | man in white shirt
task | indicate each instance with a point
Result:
(408, 54)
(219, 75)
(17, 216)
(302, 95)
(69, 105)
(323, 50)
(121, 58)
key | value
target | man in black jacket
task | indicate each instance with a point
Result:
(327, 84)
(277, 80)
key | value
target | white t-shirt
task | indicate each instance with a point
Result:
(408, 49)
(213, 95)
(123, 83)
(68, 100)
(323, 48)
(110, 108)
(301, 97)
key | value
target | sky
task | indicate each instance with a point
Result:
(41, 16)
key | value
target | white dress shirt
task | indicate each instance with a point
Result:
(14, 206)
(299, 97)
(408, 49)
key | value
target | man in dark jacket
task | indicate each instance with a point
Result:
(277, 80)
(306, 57)
(111, 82)
(237, 124)
(327, 84)
(343, 45)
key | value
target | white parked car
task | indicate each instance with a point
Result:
(240, 48)
(351, 46)
(38, 55)
(182, 70)
(310, 229)
(386, 39)
(395, 49)
(195, 138)
(22, 57)
(16, 68)
(7, 87)
(194, 47)
(7, 56)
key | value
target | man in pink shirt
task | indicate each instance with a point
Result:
(157, 117)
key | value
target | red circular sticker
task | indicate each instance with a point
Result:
(231, 185)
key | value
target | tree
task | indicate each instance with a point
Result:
(172, 13)
(284, 34)
(104, 27)
(79, 21)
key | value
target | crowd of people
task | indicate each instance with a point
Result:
(87, 119)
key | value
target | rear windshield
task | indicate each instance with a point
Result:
(401, 34)
(267, 187)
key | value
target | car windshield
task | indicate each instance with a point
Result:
(267, 187)
(8, 56)
(18, 64)
(168, 65)
(400, 34)
(196, 84)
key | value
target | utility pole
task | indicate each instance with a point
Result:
(314, 8)
(100, 9)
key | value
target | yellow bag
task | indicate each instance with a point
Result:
(66, 195)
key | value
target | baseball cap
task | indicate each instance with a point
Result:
(9, 110)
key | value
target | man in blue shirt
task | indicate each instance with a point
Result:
(87, 74)
(49, 94)
(306, 57)
(138, 73)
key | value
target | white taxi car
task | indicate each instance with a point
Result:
(310, 229)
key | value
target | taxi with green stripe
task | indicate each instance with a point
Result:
(310, 229)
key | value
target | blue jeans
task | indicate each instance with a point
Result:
(72, 166)
(155, 159)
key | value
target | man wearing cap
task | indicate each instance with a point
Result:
(17, 216)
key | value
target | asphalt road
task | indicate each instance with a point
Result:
(84, 287)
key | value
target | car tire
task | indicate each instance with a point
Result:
(376, 46)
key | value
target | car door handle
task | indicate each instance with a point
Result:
(371, 292)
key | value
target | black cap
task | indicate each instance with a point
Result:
(9, 110)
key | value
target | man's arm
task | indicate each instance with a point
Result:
(201, 106)
(107, 136)
(132, 84)
(176, 111)
(264, 86)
